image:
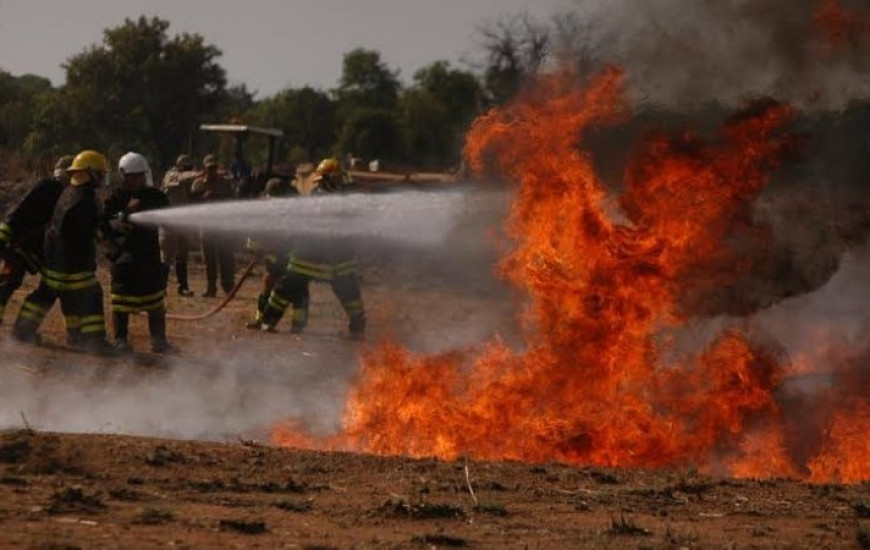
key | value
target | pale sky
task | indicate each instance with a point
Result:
(266, 44)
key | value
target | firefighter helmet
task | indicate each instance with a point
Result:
(328, 167)
(134, 163)
(89, 166)
(89, 160)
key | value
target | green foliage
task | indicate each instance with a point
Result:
(308, 119)
(18, 96)
(372, 133)
(437, 112)
(366, 82)
(139, 89)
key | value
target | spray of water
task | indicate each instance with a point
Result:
(230, 383)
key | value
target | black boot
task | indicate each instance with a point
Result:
(121, 323)
(181, 275)
(157, 328)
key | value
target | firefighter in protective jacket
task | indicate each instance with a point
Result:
(22, 236)
(138, 273)
(320, 262)
(71, 256)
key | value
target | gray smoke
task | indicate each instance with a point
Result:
(681, 54)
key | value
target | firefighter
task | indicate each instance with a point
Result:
(316, 262)
(138, 273)
(22, 235)
(217, 251)
(70, 253)
(174, 243)
(274, 255)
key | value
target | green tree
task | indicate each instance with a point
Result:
(139, 89)
(372, 134)
(367, 82)
(368, 101)
(436, 113)
(308, 118)
(18, 98)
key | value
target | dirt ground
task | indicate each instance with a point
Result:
(207, 478)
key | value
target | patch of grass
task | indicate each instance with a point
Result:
(492, 508)
(294, 506)
(690, 487)
(163, 456)
(154, 516)
(423, 510)
(124, 494)
(604, 478)
(242, 526)
(15, 446)
(434, 541)
(208, 485)
(626, 527)
(13, 480)
(75, 499)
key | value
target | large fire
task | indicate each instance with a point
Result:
(598, 380)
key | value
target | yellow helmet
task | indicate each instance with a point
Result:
(89, 160)
(85, 165)
(328, 167)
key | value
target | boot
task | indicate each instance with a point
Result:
(181, 275)
(157, 329)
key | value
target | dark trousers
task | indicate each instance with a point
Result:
(83, 312)
(36, 306)
(292, 290)
(156, 325)
(219, 258)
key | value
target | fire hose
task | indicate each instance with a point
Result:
(223, 303)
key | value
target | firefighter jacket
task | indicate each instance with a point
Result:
(134, 249)
(70, 239)
(23, 229)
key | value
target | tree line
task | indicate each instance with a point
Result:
(142, 88)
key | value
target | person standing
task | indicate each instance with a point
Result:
(71, 256)
(217, 251)
(138, 273)
(332, 263)
(174, 243)
(22, 236)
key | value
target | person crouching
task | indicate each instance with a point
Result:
(138, 274)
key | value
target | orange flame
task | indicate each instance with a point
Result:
(591, 386)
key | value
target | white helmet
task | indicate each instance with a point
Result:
(134, 163)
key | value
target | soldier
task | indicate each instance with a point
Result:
(22, 235)
(217, 251)
(174, 243)
(70, 253)
(314, 261)
(138, 274)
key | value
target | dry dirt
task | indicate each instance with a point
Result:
(67, 491)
